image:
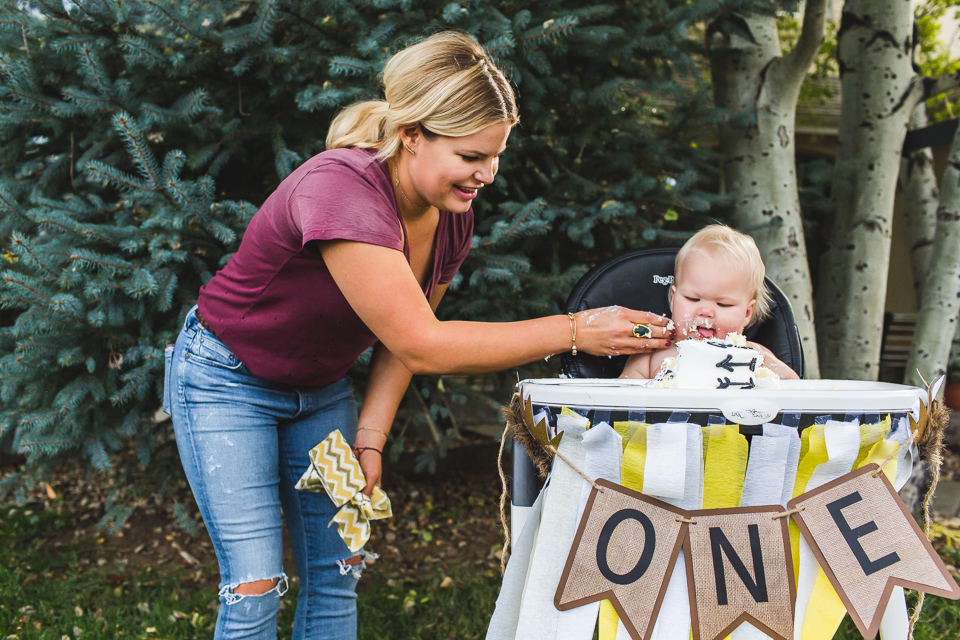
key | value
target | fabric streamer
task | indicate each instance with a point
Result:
(604, 450)
(506, 615)
(673, 620)
(634, 436)
(539, 618)
(768, 471)
(815, 617)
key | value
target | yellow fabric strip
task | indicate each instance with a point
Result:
(813, 452)
(825, 610)
(871, 439)
(724, 466)
(634, 436)
(725, 454)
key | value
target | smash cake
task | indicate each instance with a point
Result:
(715, 363)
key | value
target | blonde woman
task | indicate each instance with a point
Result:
(355, 248)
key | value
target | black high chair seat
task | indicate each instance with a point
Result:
(641, 280)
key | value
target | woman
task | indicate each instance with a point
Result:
(355, 246)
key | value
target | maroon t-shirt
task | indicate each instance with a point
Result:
(275, 304)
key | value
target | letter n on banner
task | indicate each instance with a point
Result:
(624, 551)
(867, 542)
(741, 569)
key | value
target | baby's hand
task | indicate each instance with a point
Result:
(773, 363)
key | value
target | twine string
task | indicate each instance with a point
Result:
(503, 503)
(796, 509)
(895, 453)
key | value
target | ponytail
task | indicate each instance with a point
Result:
(364, 125)
(445, 84)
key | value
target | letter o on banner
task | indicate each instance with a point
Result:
(603, 543)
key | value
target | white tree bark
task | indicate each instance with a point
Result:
(752, 77)
(921, 197)
(880, 91)
(941, 301)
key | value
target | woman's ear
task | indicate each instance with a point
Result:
(410, 138)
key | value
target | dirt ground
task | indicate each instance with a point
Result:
(451, 517)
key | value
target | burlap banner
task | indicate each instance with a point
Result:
(740, 566)
(625, 548)
(867, 543)
(739, 560)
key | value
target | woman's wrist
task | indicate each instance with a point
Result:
(371, 436)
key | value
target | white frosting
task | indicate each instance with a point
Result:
(716, 364)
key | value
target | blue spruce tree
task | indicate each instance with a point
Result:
(139, 137)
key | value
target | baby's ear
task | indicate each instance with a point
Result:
(673, 290)
(750, 309)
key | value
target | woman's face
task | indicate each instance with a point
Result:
(448, 172)
(709, 298)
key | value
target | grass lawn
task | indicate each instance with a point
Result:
(438, 577)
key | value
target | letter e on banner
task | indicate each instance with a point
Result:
(624, 551)
(867, 543)
(741, 569)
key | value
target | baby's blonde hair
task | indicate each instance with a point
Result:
(736, 249)
(446, 84)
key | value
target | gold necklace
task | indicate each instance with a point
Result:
(396, 181)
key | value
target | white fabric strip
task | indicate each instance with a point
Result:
(895, 624)
(763, 485)
(673, 620)
(793, 457)
(503, 624)
(843, 445)
(665, 465)
(539, 618)
(604, 454)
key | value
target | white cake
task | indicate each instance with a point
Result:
(715, 364)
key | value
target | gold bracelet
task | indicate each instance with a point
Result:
(573, 333)
(372, 429)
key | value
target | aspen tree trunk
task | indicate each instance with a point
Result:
(941, 300)
(751, 76)
(918, 192)
(880, 91)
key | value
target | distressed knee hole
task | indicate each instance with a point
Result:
(356, 564)
(257, 587)
(254, 589)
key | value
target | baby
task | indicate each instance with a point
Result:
(718, 289)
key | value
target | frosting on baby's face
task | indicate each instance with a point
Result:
(710, 299)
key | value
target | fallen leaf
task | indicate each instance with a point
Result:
(50, 492)
(446, 582)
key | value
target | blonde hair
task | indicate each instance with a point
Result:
(735, 249)
(446, 84)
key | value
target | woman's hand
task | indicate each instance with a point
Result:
(368, 447)
(613, 331)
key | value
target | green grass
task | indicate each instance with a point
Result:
(48, 592)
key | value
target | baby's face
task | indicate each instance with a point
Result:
(710, 299)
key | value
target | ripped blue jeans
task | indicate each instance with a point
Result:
(244, 444)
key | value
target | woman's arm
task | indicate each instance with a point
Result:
(386, 384)
(381, 289)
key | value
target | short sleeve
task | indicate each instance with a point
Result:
(335, 201)
(459, 242)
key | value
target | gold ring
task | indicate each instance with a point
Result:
(641, 330)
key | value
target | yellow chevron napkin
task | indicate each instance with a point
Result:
(334, 469)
